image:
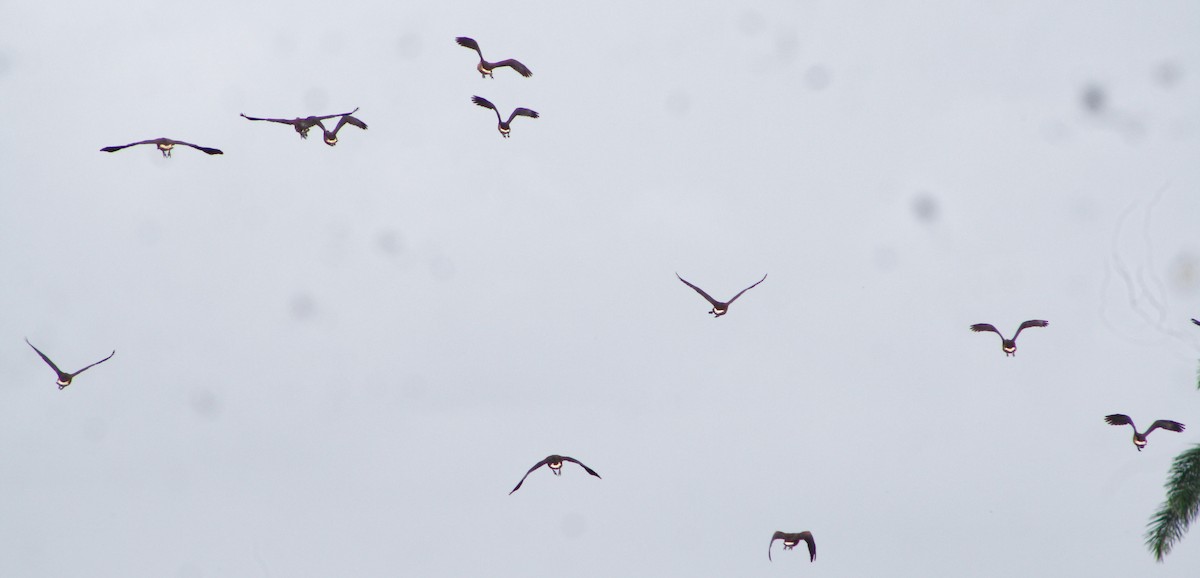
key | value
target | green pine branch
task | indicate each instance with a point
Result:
(1174, 516)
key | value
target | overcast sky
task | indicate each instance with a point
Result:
(338, 361)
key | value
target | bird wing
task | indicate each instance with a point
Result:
(1119, 419)
(575, 461)
(1196, 321)
(46, 359)
(347, 119)
(515, 65)
(535, 466)
(469, 43)
(986, 327)
(329, 116)
(95, 364)
(777, 536)
(1030, 323)
(114, 149)
(746, 289)
(208, 150)
(522, 112)
(485, 103)
(812, 545)
(278, 120)
(1166, 424)
(714, 302)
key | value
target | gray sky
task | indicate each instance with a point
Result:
(338, 361)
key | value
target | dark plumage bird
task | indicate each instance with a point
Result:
(303, 125)
(790, 541)
(504, 126)
(165, 145)
(555, 463)
(485, 68)
(1139, 439)
(331, 137)
(64, 378)
(719, 308)
(1009, 345)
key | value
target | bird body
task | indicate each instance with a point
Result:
(505, 126)
(164, 145)
(1009, 345)
(790, 541)
(555, 463)
(484, 67)
(1139, 439)
(64, 378)
(719, 308)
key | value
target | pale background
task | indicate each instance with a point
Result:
(338, 361)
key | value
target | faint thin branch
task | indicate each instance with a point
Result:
(1144, 289)
(1148, 263)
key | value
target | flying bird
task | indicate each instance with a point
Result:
(719, 308)
(555, 463)
(1009, 345)
(64, 378)
(1139, 439)
(165, 145)
(790, 541)
(485, 68)
(331, 137)
(504, 124)
(302, 125)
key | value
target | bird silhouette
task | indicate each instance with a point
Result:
(1139, 439)
(303, 125)
(504, 126)
(790, 541)
(1009, 345)
(64, 378)
(719, 308)
(555, 463)
(331, 138)
(165, 145)
(484, 67)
